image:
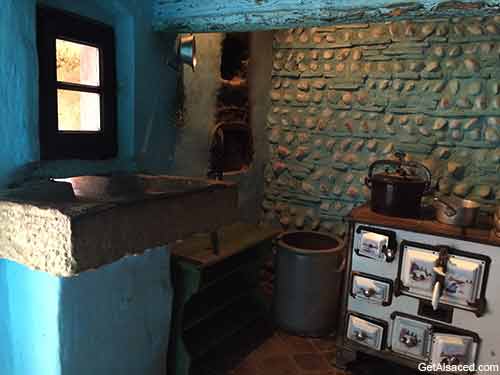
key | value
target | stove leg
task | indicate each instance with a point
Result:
(343, 357)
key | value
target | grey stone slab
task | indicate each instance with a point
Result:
(109, 219)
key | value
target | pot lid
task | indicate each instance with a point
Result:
(400, 171)
(398, 177)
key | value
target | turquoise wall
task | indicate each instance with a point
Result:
(111, 321)
(114, 320)
(146, 90)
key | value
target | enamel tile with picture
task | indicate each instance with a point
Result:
(411, 337)
(371, 289)
(443, 275)
(365, 332)
(418, 270)
(452, 350)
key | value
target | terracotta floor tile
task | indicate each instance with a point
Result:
(326, 344)
(297, 344)
(330, 357)
(278, 365)
(247, 367)
(311, 362)
(271, 347)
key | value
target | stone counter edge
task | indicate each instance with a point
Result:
(49, 240)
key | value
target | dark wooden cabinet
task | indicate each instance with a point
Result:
(215, 296)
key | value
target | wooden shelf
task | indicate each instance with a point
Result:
(211, 332)
(217, 298)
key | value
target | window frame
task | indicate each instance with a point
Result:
(55, 24)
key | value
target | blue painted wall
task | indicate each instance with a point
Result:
(114, 320)
(146, 90)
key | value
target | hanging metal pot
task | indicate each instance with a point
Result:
(399, 189)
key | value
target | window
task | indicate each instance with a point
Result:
(77, 87)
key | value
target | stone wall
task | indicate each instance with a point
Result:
(346, 95)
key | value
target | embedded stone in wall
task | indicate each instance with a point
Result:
(354, 95)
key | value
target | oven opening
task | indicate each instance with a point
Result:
(231, 149)
(231, 146)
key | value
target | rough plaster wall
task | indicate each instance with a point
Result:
(200, 93)
(260, 84)
(146, 91)
(19, 104)
(347, 95)
(201, 86)
(115, 320)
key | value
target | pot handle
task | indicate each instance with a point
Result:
(450, 210)
(428, 175)
(368, 180)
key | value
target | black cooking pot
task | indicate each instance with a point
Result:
(399, 189)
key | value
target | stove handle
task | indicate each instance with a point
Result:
(453, 361)
(409, 341)
(436, 294)
(390, 254)
(360, 336)
(369, 292)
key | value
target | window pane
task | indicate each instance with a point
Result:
(78, 111)
(77, 63)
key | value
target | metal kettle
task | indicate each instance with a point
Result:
(399, 189)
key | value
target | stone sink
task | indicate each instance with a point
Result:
(71, 225)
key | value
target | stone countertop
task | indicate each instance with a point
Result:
(67, 227)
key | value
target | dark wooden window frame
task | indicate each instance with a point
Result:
(55, 24)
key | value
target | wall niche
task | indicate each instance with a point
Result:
(231, 146)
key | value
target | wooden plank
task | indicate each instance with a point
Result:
(481, 233)
(251, 15)
(233, 239)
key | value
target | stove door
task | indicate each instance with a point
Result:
(463, 280)
(463, 277)
(371, 289)
(417, 273)
(411, 337)
(365, 332)
(373, 245)
(452, 350)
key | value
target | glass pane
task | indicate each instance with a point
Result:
(77, 63)
(78, 111)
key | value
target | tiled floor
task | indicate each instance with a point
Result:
(282, 354)
(262, 351)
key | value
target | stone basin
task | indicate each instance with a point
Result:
(71, 225)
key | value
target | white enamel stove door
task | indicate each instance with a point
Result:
(463, 280)
(411, 338)
(417, 272)
(372, 245)
(373, 291)
(365, 333)
(449, 349)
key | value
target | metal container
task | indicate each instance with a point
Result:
(308, 268)
(398, 192)
(456, 211)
